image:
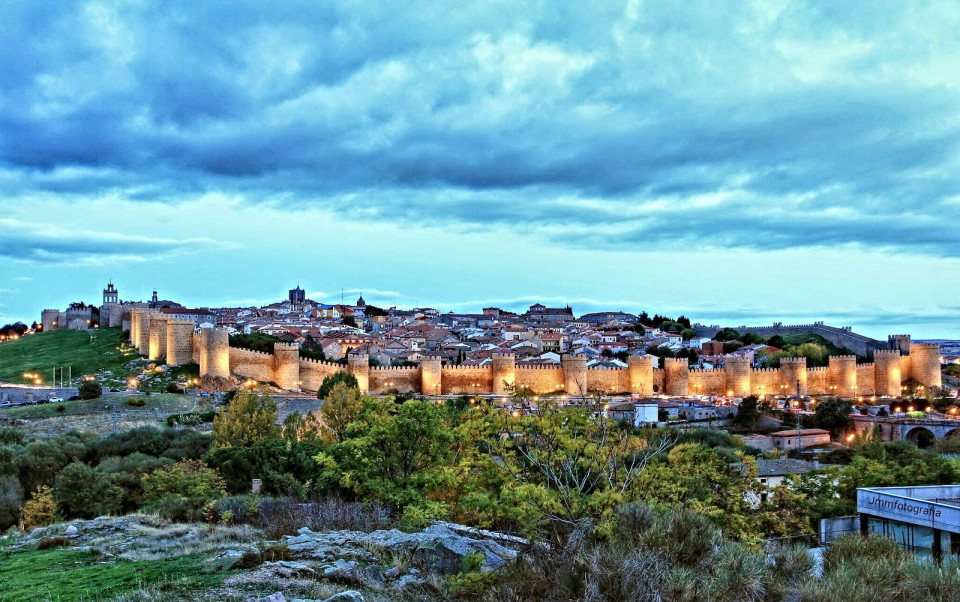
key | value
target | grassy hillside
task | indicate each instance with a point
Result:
(86, 351)
(83, 575)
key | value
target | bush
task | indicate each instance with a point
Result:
(11, 498)
(178, 509)
(136, 402)
(186, 478)
(173, 388)
(53, 542)
(272, 552)
(330, 382)
(40, 510)
(85, 492)
(61, 408)
(90, 390)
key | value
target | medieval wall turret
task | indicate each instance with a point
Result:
(677, 375)
(431, 369)
(179, 342)
(640, 374)
(842, 373)
(793, 374)
(158, 337)
(504, 372)
(574, 374)
(49, 319)
(738, 375)
(887, 374)
(925, 364)
(359, 366)
(286, 365)
(214, 352)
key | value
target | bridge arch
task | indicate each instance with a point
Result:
(952, 433)
(921, 436)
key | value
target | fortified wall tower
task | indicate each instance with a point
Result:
(793, 370)
(900, 342)
(640, 374)
(738, 375)
(842, 372)
(286, 365)
(158, 337)
(925, 364)
(887, 377)
(677, 375)
(431, 370)
(359, 366)
(574, 374)
(49, 319)
(179, 342)
(214, 352)
(505, 372)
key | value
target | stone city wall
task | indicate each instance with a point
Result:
(209, 347)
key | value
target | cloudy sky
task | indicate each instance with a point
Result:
(737, 162)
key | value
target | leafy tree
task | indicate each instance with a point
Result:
(727, 334)
(567, 464)
(286, 468)
(394, 453)
(85, 492)
(127, 474)
(249, 419)
(688, 333)
(254, 342)
(341, 407)
(833, 414)
(40, 510)
(90, 390)
(748, 413)
(300, 427)
(690, 354)
(349, 321)
(40, 461)
(186, 478)
(11, 498)
(329, 382)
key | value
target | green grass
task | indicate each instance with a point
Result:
(85, 351)
(164, 402)
(68, 575)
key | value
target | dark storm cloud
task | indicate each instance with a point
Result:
(608, 125)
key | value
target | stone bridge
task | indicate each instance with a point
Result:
(922, 431)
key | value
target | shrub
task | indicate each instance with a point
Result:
(10, 436)
(136, 402)
(272, 552)
(249, 419)
(340, 377)
(53, 542)
(178, 509)
(90, 390)
(40, 510)
(85, 492)
(173, 388)
(11, 498)
(186, 478)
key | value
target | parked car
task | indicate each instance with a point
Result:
(55, 400)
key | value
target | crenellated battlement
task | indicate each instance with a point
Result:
(886, 353)
(396, 369)
(242, 350)
(818, 369)
(843, 358)
(467, 368)
(793, 360)
(926, 346)
(539, 367)
(312, 361)
(606, 369)
(503, 356)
